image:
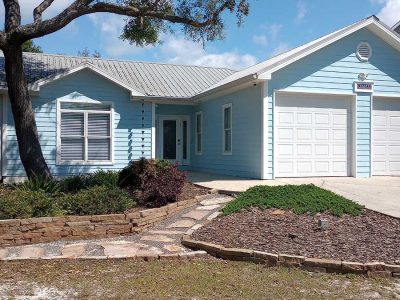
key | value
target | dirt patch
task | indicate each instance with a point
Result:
(370, 237)
(190, 191)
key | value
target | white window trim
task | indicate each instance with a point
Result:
(59, 161)
(228, 105)
(363, 59)
(199, 113)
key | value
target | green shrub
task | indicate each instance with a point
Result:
(38, 183)
(96, 200)
(137, 173)
(99, 178)
(163, 164)
(26, 204)
(300, 198)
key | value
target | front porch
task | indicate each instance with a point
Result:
(380, 194)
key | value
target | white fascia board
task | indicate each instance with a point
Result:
(226, 87)
(286, 62)
(36, 85)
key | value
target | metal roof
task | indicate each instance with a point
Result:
(150, 79)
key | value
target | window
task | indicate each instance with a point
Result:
(84, 133)
(227, 129)
(199, 132)
(364, 51)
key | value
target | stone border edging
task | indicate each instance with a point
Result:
(144, 257)
(14, 232)
(371, 269)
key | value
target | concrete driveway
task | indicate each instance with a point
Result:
(381, 194)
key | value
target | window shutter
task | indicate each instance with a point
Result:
(99, 149)
(72, 124)
(72, 149)
(99, 125)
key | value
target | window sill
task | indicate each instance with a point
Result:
(226, 153)
(83, 163)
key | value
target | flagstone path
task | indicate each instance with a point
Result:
(162, 240)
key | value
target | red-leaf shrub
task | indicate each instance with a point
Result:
(165, 187)
(137, 173)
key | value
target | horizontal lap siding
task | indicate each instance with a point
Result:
(333, 69)
(246, 135)
(127, 123)
(363, 123)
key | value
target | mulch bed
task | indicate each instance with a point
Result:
(370, 237)
(189, 192)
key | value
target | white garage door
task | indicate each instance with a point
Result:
(312, 136)
(386, 137)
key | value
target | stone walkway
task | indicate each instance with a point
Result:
(162, 240)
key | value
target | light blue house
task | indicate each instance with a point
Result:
(327, 108)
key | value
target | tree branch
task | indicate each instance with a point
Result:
(81, 7)
(12, 15)
(37, 12)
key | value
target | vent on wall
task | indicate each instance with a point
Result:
(364, 51)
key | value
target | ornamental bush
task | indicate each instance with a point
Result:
(136, 173)
(97, 200)
(27, 204)
(165, 187)
(99, 178)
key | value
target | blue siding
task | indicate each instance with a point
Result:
(245, 160)
(333, 69)
(363, 133)
(129, 135)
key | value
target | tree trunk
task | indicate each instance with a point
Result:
(29, 147)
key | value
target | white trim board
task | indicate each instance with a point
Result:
(83, 99)
(225, 106)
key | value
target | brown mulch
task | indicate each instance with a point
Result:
(370, 237)
(189, 191)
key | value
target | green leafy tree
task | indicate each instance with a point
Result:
(200, 20)
(30, 46)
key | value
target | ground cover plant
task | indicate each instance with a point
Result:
(148, 183)
(306, 198)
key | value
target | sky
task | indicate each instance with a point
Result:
(272, 27)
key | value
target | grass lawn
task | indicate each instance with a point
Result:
(300, 198)
(199, 279)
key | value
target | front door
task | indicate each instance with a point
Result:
(174, 139)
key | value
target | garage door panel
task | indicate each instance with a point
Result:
(304, 150)
(286, 117)
(321, 167)
(286, 134)
(304, 118)
(340, 119)
(304, 134)
(321, 150)
(321, 119)
(379, 135)
(339, 150)
(379, 150)
(394, 121)
(380, 120)
(304, 167)
(386, 137)
(321, 136)
(394, 135)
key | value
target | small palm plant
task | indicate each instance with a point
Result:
(39, 183)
